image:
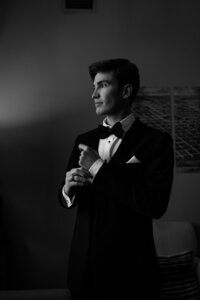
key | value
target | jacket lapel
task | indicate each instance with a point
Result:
(129, 145)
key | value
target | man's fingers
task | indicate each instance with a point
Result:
(76, 183)
(78, 174)
(79, 178)
(83, 172)
(79, 171)
(83, 147)
(81, 181)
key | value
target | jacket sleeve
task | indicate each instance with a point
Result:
(72, 163)
(142, 187)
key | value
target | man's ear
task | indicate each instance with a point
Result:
(126, 91)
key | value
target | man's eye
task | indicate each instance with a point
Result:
(104, 84)
(101, 85)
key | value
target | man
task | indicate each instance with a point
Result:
(120, 176)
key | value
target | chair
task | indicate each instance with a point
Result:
(54, 294)
(177, 250)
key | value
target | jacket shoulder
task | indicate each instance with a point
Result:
(87, 136)
(153, 132)
(88, 133)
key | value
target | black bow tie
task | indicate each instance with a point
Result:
(105, 131)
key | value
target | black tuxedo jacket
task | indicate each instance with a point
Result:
(113, 231)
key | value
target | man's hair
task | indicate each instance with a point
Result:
(123, 70)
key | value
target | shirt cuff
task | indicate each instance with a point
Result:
(96, 166)
(66, 199)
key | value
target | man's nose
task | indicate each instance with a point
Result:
(95, 94)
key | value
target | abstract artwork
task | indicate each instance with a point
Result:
(175, 110)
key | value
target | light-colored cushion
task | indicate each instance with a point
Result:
(173, 237)
(179, 277)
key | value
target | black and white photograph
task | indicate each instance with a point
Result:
(99, 150)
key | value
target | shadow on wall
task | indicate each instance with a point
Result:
(5, 7)
(38, 229)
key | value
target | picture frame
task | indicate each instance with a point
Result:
(79, 5)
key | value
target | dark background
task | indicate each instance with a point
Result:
(45, 102)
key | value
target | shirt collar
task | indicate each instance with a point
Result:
(126, 122)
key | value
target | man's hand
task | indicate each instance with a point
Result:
(87, 157)
(76, 177)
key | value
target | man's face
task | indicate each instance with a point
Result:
(107, 95)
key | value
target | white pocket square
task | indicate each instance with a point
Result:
(133, 160)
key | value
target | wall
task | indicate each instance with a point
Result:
(45, 102)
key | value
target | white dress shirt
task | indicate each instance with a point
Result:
(106, 149)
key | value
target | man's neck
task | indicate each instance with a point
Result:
(111, 120)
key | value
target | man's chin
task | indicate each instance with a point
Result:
(100, 112)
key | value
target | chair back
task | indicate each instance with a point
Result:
(173, 237)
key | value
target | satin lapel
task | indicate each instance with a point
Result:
(127, 146)
(129, 143)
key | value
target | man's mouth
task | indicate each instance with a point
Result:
(98, 103)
